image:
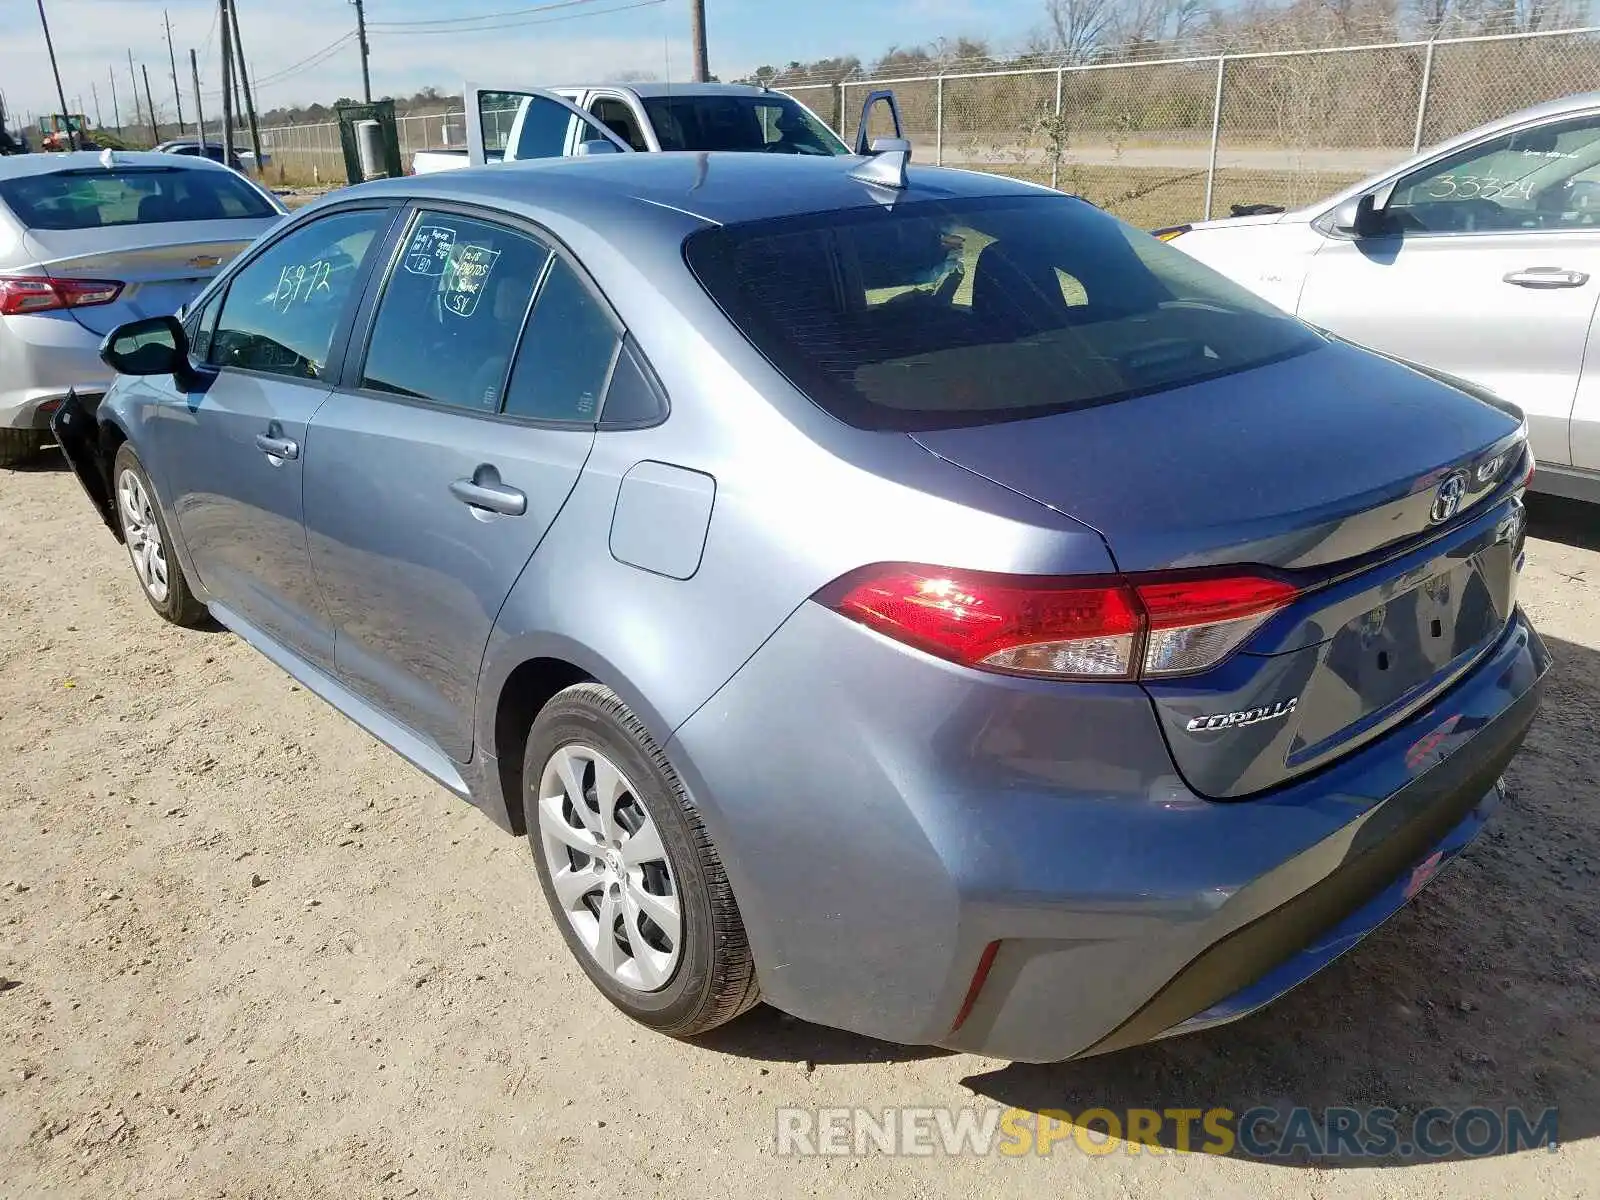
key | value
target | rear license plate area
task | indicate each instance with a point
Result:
(1391, 649)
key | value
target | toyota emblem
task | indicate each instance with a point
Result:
(1447, 500)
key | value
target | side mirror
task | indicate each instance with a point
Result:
(597, 146)
(1359, 218)
(153, 346)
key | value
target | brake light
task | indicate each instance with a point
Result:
(21, 294)
(1098, 627)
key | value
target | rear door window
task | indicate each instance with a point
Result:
(935, 314)
(283, 307)
(97, 198)
(566, 355)
(616, 116)
(452, 311)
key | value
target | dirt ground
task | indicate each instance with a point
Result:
(247, 952)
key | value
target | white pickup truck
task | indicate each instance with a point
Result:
(514, 125)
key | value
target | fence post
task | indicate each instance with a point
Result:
(843, 131)
(1216, 133)
(938, 123)
(1055, 154)
(1422, 97)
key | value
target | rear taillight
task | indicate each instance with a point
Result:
(21, 294)
(1099, 627)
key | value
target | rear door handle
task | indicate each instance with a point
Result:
(1547, 277)
(277, 447)
(484, 490)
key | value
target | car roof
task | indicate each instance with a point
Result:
(650, 91)
(16, 166)
(719, 187)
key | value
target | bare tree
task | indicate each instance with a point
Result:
(1081, 27)
(1164, 21)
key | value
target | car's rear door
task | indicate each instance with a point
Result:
(232, 451)
(447, 453)
(516, 124)
(1491, 271)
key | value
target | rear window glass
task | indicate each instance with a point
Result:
(937, 314)
(130, 196)
(774, 124)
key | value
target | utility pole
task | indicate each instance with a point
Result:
(116, 112)
(227, 86)
(61, 94)
(95, 92)
(177, 94)
(361, 39)
(155, 130)
(134, 75)
(199, 113)
(697, 33)
(244, 80)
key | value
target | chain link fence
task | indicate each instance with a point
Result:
(1162, 141)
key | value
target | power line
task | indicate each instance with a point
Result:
(523, 24)
(494, 16)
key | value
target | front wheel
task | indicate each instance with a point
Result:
(637, 889)
(144, 532)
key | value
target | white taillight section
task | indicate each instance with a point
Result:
(1110, 627)
(1195, 622)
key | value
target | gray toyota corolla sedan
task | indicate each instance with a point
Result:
(909, 596)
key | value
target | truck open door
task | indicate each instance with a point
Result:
(512, 124)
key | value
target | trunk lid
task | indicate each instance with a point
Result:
(162, 266)
(1392, 500)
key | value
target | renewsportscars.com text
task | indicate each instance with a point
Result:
(1262, 1132)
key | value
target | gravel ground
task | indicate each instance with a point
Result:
(248, 952)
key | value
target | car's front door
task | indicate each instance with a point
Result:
(1488, 267)
(445, 457)
(233, 450)
(519, 124)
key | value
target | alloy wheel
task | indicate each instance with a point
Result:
(142, 533)
(608, 867)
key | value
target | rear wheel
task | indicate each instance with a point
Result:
(19, 445)
(144, 531)
(637, 889)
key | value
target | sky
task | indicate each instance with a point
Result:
(293, 56)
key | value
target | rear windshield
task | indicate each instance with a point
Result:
(98, 199)
(935, 314)
(775, 124)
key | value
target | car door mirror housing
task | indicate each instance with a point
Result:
(1359, 218)
(152, 346)
(596, 146)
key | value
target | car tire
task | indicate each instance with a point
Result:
(681, 978)
(144, 532)
(17, 446)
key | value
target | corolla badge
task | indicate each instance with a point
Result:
(1246, 716)
(1447, 499)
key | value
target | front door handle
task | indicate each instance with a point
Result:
(277, 447)
(485, 491)
(1547, 277)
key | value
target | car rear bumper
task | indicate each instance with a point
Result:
(43, 357)
(885, 818)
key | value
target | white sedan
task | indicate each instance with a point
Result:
(1479, 257)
